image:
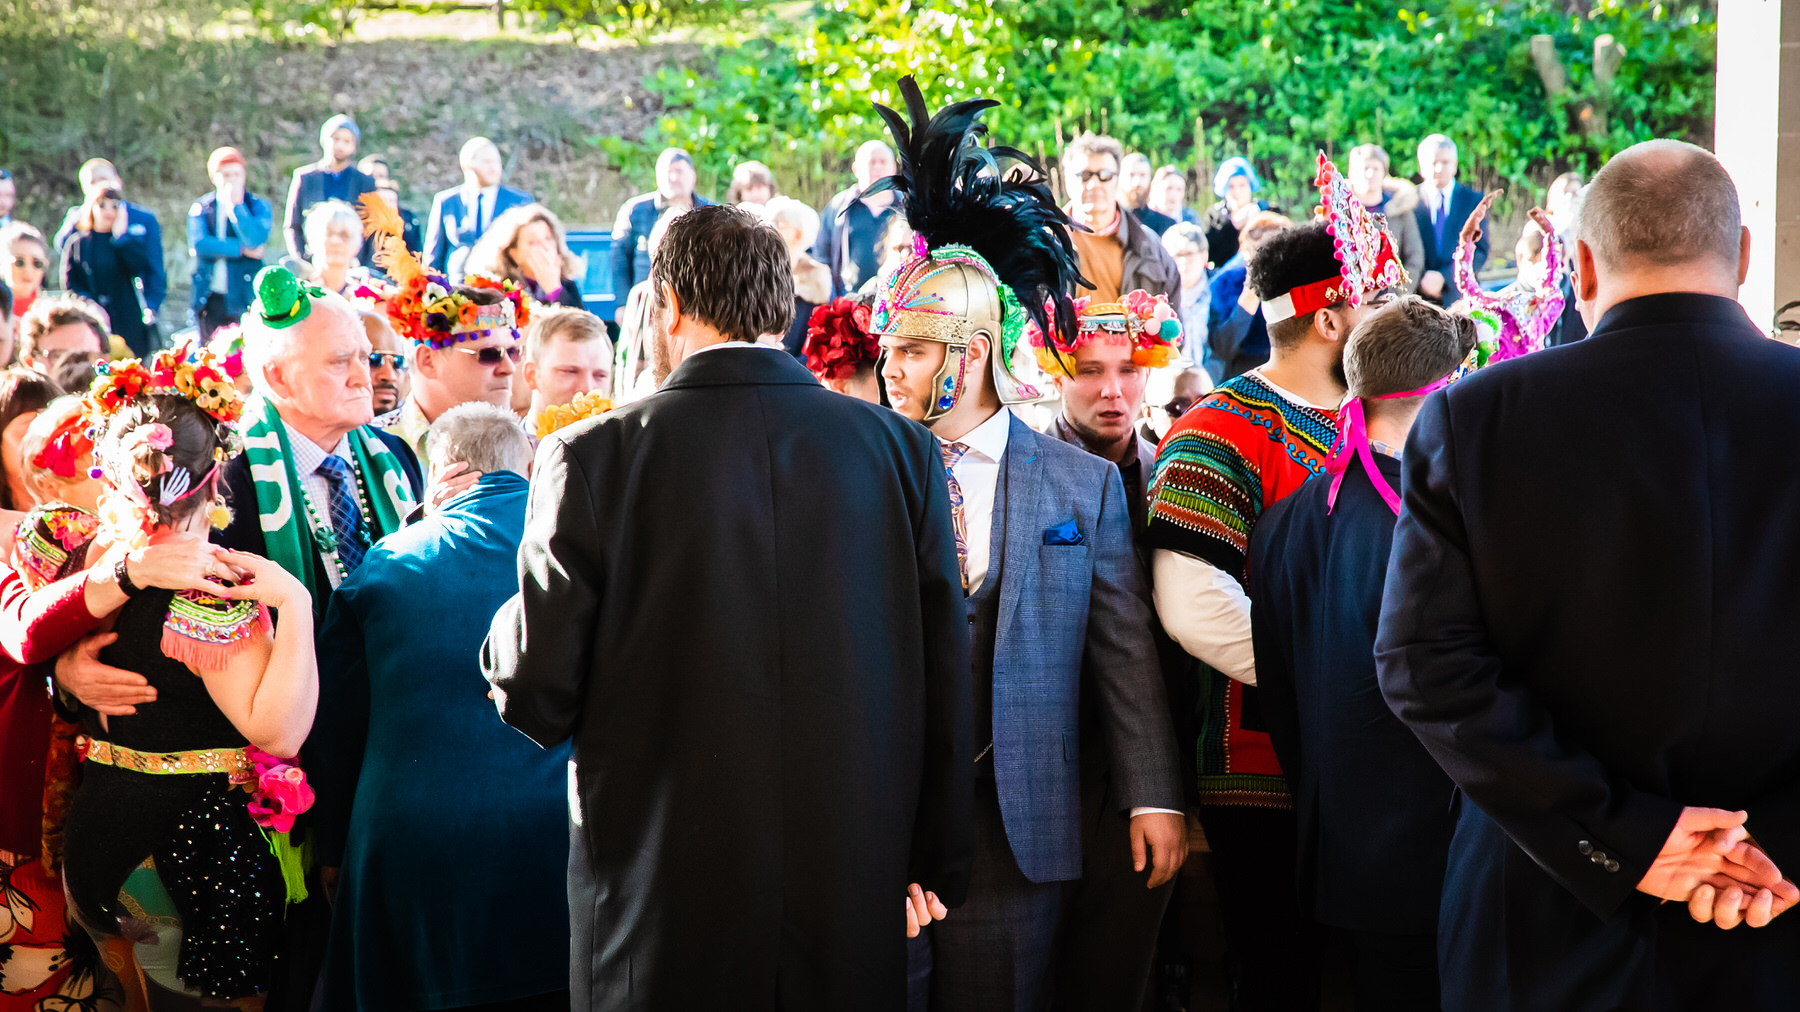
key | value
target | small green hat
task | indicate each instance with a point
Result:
(282, 299)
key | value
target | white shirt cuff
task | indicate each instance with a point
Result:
(1135, 812)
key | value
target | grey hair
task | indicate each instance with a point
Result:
(321, 216)
(1436, 142)
(1661, 203)
(482, 435)
(1405, 345)
(264, 344)
(1184, 233)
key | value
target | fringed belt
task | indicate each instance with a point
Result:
(205, 760)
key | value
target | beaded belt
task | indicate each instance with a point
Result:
(205, 760)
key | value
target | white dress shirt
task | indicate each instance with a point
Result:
(978, 472)
(1437, 202)
(1204, 608)
(307, 458)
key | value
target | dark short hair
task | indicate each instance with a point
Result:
(728, 270)
(1090, 144)
(47, 314)
(1404, 345)
(1661, 203)
(1286, 260)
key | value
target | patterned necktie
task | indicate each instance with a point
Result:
(346, 516)
(953, 452)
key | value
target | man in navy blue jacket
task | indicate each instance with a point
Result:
(461, 214)
(1444, 204)
(227, 231)
(1588, 623)
(111, 251)
(639, 215)
(1371, 806)
(333, 177)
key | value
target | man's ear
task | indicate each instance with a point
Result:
(1587, 284)
(671, 304)
(274, 380)
(1744, 257)
(1332, 325)
(528, 372)
(980, 346)
(426, 361)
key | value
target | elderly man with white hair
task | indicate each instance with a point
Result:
(853, 225)
(316, 484)
(406, 736)
(462, 213)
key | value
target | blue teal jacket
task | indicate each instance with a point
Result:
(250, 227)
(449, 826)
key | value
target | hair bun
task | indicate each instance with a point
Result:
(281, 299)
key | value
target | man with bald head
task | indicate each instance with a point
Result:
(851, 226)
(1589, 623)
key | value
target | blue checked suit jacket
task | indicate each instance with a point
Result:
(1068, 612)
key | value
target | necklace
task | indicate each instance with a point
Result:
(323, 533)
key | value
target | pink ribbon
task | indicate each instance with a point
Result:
(1353, 442)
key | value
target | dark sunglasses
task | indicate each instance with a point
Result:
(393, 358)
(33, 262)
(1104, 175)
(490, 357)
(1178, 407)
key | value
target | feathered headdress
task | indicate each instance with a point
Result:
(962, 206)
(425, 307)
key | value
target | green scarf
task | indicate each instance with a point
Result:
(287, 533)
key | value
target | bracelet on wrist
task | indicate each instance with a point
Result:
(123, 578)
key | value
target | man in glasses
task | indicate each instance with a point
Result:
(389, 381)
(479, 367)
(55, 329)
(1118, 252)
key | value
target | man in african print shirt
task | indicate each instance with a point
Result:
(1253, 440)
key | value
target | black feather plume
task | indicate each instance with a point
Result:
(954, 192)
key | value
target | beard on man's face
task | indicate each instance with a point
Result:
(386, 396)
(660, 366)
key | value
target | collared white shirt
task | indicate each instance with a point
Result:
(978, 474)
(1436, 201)
(307, 458)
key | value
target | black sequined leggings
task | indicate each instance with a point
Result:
(212, 859)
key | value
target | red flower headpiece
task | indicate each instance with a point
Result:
(68, 443)
(838, 339)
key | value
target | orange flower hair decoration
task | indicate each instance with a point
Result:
(426, 308)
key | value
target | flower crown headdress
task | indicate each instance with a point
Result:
(1148, 323)
(426, 308)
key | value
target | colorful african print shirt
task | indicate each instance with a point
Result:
(1236, 451)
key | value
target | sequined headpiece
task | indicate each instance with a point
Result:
(1148, 323)
(425, 307)
(991, 248)
(1365, 253)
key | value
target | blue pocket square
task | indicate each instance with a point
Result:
(1065, 533)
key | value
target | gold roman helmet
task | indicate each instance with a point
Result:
(986, 246)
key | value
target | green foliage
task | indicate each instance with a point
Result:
(1275, 80)
(299, 20)
(637, 20)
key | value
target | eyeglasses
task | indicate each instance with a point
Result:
(1178, 407)
(32, 262)
(1104, 175)
(490, 357)
(393, 358)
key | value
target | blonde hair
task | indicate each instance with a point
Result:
(493, 253)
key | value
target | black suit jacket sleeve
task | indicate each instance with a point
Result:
(334, 750)
(540, 682)
(1442, 677)
(943, 839)
(1122, 656)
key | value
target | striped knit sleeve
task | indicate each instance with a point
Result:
(1205, 498)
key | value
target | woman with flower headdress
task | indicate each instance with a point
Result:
(233, 696)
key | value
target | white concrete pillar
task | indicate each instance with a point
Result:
(1757, 135)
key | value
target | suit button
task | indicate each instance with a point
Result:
(1598, 857)
(1611, 865)
(1585, 847)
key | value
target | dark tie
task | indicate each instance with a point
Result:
(1442, 215)
(953, 452)
(346, 517)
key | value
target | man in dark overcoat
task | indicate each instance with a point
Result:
(740, 597)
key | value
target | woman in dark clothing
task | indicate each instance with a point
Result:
(1235, 184)
(527, 245)
(107, 255)
(165, 782)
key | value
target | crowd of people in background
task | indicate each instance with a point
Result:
(353, 404)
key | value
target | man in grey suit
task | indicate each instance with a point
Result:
(1056, 598)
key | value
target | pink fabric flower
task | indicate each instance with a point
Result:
(159, 437)
(279, 790)
(1140, 303)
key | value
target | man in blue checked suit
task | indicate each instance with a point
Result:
(1057, 604)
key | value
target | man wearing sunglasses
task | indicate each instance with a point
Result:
(389, 381)
(475, 369)
(1118, 252)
